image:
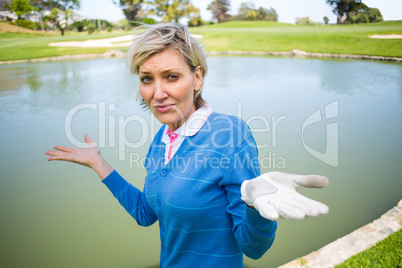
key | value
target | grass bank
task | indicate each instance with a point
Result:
(19, 46)
(233, 36)
(272, 36)
(387, 253)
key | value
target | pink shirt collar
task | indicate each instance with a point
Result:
(191, 126)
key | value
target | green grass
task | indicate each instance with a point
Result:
(231, 36)
(387, 253)
(248, 24)
(272, 36)
(17, 46)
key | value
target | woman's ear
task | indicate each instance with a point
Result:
(198, 78)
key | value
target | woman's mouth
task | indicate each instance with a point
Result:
(163, 108)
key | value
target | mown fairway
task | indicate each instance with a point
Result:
(269, 36)
(232, 36)
(18, 46)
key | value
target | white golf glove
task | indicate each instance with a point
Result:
(273, 194)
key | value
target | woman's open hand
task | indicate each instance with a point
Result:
(273, 194)
(89, 157)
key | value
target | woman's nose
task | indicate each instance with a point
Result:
(160, 92)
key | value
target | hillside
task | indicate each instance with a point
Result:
(8, 28)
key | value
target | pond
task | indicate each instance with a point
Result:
(341, 119)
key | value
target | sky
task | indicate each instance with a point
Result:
(287, 10)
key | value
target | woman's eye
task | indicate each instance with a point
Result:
(146, 80)
(172, 77)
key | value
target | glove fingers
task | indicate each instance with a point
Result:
(320, 207)
(265, 209)
(294, 180)
(307, 209)
(310, 181)
(288, 211)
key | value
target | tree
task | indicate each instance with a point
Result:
(267, 14)
(173, 10)
(59, 18)
(374, 15)
(219, 9)
(61, 11)
(21, 7)
(82, 25)
(304, 21)
(343, 8)
(193, 13)
(195, 21)
(354, 11)
(248, 11)
(326, 20)
(365, 16)
(131, 9)
(60, 4)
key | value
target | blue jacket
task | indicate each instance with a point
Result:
(196, 197)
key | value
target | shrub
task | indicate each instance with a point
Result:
(196, 21)
(29, 24)
(91, 28)
(79, 25)
(143, 21)
(148, 21)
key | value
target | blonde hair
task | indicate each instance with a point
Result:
(157, 38)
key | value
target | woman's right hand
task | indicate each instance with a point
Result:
(89, 157)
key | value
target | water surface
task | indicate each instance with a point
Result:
(60, 215)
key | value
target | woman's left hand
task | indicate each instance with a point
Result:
(273, 194)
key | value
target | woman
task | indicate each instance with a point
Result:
(195, 165)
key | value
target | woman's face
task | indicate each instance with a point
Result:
(167, 85)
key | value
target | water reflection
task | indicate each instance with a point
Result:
(10, 78)
(359, 77)
(56, 85)
(400, 84)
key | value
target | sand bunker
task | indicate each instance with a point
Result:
(119, 41)
(386, 36)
